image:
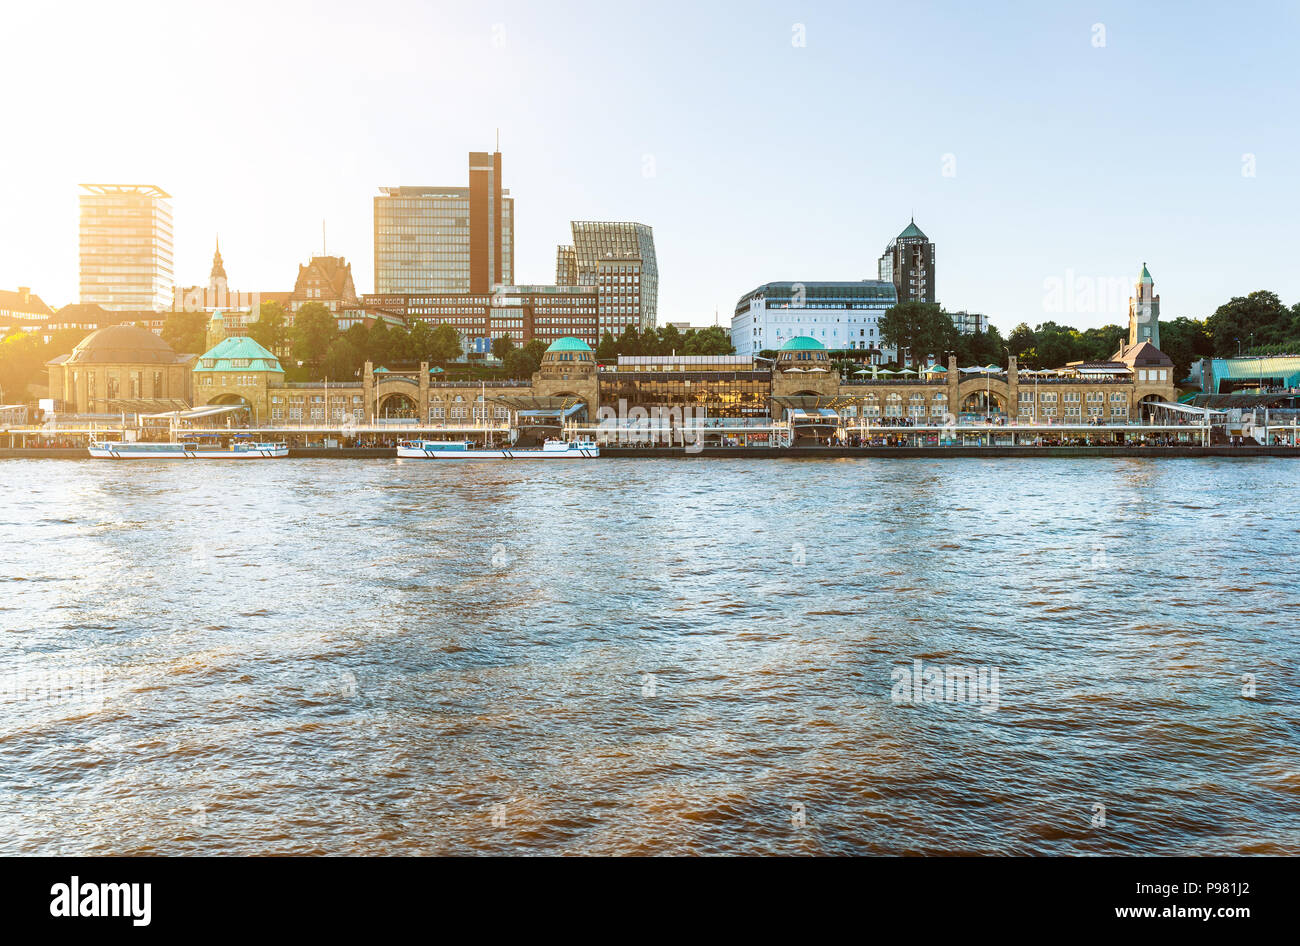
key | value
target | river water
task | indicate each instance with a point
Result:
(650, 656)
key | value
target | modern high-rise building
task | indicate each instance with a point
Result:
(908, 262)
(126, 247)
(618, 258)
(446, 239)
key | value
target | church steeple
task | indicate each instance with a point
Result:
(217, 280)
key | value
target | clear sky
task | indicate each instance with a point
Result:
(754, 158)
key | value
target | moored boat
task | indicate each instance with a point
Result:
(187, 450)
(466, 450)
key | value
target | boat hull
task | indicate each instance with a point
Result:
(261, 453)
(418, 453)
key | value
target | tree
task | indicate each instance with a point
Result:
(1261, 313)
(629, 342)
(713, 340)
(444, 344)
(1021, 340)
(270, 329)
(502, 346)
(670, 340)
(523, 362)
(607, 350)
(186, 332)
(343, 360)
(314, 330)
(923, 328)
(1185, 341)
(22, 362)
(377, 347)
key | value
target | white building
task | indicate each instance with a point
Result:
(840, 315)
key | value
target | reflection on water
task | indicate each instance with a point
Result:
(649, 656)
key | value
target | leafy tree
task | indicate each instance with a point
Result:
(186, 332)
(343, 361)
(502, 346)
(1185, 341)
(923, 328)
(607, 350)
(630, 341)
(270, 329)
(444, 345)
(523, 362)
(22, 363)
(377, 347)
(1261, 313)
(314, 330)
(399, 344)
(713, 340)
(1021, 340)
(670, 340)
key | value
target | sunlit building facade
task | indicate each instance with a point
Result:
(839, 315)
(709, 385)
(446, 239)
(618, 259)
(126, 246)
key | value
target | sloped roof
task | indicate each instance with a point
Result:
(912, 230)
(223, 355)
(1144, 354)
(28, 303)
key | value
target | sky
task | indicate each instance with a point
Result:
(1048, 149)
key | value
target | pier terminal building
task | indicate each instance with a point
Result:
(123, 368)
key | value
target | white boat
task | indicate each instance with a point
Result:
(465, 450)
(239, 450)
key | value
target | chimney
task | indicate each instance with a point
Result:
(26, 293)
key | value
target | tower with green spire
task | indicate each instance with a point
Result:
(1144, 312)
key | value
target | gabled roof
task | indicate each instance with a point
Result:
(335, 275)
(251, 355)
(27, 303)
(1143, 354)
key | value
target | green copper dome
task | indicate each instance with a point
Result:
(568, 343)
(803, 343)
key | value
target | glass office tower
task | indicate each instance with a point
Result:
(126, 246)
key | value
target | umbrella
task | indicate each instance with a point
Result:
(886, 371)
(992, 369)
(936, 369)
(811, 370)
(906, 371)
(863, 371)
(800, 370)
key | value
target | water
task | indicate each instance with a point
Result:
(648, 656)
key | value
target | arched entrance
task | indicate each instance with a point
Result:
(1147, 414)
(396, 406)
(984, 403)
(240, 418)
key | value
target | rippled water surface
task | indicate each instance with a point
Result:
(648, 656)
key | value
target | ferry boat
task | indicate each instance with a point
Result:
(465, 450)
(187, 450)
